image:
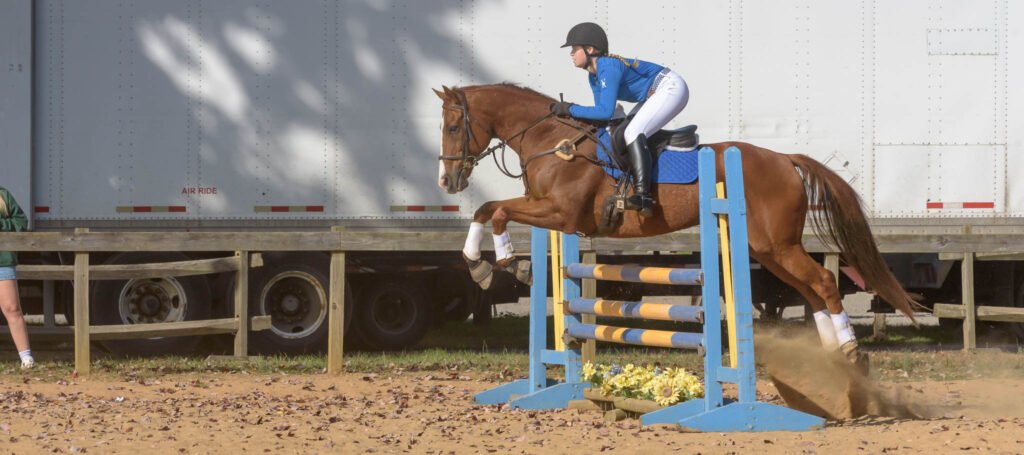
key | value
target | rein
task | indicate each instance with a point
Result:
(565, 149)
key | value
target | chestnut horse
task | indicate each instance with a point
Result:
(568, 195)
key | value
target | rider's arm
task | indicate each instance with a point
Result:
(606, 91)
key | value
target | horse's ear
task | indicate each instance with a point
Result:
(448, 92)
(440, 94)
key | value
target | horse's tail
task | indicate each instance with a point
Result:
(839, 221)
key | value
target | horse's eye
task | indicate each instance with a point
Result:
(453, 129)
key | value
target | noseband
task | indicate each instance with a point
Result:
(468, 161)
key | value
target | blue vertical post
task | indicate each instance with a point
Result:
(572, 289)
(710, 290)
(546, 393)
(538, 307)
(737, 201)
(746, 414)
(537, 380)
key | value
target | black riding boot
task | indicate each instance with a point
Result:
(640, 159)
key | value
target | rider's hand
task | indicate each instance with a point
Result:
(560, 108)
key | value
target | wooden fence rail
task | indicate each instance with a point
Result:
(82, 273)
(965, 243)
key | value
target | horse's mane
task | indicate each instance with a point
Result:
(510, 86)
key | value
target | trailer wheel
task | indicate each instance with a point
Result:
(147, 301)
(453, 296)
(393, 314)
(293, 293)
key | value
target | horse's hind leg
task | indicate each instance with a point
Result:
(824, 324)
(799, 264)
(768, 262)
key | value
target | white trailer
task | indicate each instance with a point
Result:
(269, 115)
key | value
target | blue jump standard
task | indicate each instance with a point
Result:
(711, 413)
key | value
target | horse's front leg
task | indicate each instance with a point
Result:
(540, 213)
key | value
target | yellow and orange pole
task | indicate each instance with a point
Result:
(730, 300)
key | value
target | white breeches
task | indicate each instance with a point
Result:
(669, 98)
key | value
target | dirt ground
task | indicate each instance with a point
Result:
(433, 413)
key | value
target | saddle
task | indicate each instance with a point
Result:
(681, 139)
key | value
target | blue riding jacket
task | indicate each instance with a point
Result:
(616, 81)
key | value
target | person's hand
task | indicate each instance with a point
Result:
(560, 108)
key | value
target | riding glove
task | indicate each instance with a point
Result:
(560, 108)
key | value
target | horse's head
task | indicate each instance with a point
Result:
(462, 141)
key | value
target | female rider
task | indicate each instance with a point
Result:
(661, 93)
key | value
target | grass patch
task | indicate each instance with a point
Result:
(903, 337)
(889, 365)
(499, 352)
(946, 365)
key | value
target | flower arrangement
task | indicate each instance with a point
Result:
(664, 386)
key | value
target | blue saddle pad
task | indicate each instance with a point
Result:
(673, 166)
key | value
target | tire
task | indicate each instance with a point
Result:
(262, 342)
(453, 296)
(149, 300)
(293, 291)
(393, 314)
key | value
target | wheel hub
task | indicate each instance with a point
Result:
(289, 304)
(296, 303)
(150, 301)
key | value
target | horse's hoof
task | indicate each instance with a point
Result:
(524, 272)
(481, 271)
(860, 360)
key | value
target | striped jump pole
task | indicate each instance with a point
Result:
(712, 412)
(637, 310)
(635, 274)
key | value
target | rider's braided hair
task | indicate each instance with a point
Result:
(635, 63)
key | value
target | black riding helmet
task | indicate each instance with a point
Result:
(587, 34)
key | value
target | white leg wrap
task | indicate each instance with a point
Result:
(844, 332)
(473, 239)
(826, 331)
(503, 246)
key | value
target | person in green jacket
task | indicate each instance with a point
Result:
(13, 219)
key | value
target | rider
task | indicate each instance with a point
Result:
(661, 92)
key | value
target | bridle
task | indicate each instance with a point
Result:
(468, 161)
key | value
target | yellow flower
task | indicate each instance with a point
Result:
(589, 372)
(665, 386)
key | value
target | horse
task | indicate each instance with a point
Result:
(567, 195)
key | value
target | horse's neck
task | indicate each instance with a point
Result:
(517, 118)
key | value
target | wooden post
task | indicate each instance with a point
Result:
(832, 265)
(970, 316)
(878, 328)
(588, 353)
(242, 305)
(82, 362)
(336, 312)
